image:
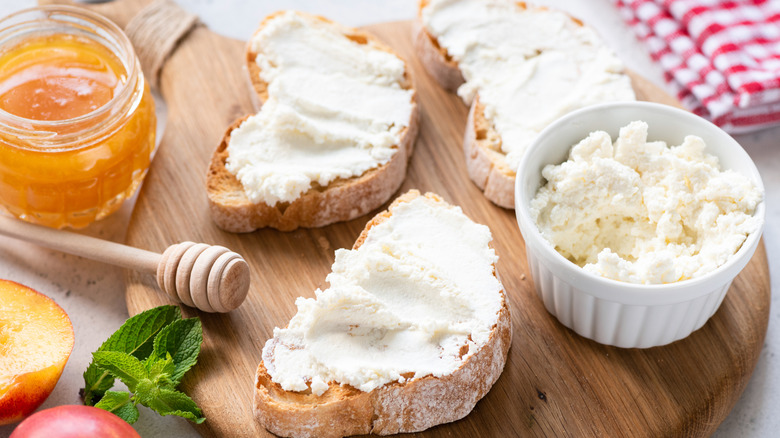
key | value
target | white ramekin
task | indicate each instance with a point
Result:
(609, 311)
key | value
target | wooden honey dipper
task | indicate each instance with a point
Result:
(211, 278)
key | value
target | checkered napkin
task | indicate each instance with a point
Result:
(722, 57)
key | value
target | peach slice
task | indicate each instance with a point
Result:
(36, 338)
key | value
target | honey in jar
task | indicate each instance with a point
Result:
(77, 120)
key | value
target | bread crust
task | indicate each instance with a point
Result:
(485, 162)
(340, 200)
(394, 407)
(434, 58)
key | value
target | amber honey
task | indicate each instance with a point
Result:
(77, 120)
(57, 77)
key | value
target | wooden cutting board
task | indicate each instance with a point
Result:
(555, 383)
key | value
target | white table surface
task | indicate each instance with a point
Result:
(92, 293)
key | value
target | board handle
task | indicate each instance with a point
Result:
(155, 32)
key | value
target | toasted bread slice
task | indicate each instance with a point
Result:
(482, 145)
(395, 407)
(485, 162)
(340, 200)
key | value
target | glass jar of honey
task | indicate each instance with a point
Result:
(77, 120)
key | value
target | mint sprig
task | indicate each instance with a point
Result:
(136, 337)
(150, 354)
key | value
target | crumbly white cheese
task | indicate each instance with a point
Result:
(642, 212)
(529, 66)
(417, 298)
(336, 109)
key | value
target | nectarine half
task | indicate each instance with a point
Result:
(36, 338)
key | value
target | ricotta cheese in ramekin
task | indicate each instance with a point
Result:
(643, 212)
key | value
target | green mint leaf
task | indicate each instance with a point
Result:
(181, 339)
(96, 383)
(170, 402)
(145, 391)
(123, 366)
(136, 337)
(119, 404)
(160, 370)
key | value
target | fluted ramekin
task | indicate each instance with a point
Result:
(609, 311)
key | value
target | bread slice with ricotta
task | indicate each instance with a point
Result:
(412, 332)
(333, 136)
(519, 67)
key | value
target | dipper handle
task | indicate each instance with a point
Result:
(211, 278)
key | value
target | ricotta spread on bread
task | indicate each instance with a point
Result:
(417, 298)
(336, 108)
(528, 66)
(643, 212)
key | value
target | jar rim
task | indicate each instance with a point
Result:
(74, 17)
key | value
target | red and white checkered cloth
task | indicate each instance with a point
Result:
(721, 56)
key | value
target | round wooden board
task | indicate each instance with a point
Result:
(555, 383)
